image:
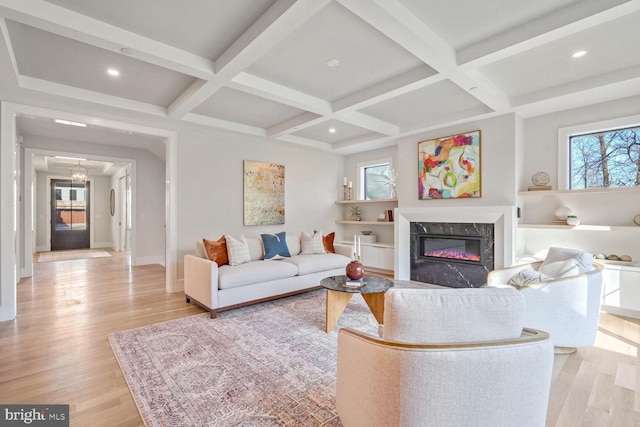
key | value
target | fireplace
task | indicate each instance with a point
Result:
(458, 255)
(453, 248)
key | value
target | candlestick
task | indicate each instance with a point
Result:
(344, 182)
(350, 184)
(355, 247)
(359, 248)
(345, 195)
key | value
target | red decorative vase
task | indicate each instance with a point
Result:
(355, 270)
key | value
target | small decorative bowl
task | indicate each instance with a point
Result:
(366, 232)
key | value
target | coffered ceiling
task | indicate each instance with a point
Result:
(343, 75)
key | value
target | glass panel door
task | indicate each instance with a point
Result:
(69, 215)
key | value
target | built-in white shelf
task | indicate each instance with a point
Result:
(367, 201)
(346, 221)
(375, 245)
(581, 191)
(581, 227)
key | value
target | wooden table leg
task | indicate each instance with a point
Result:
(376, 305)
(336, 303)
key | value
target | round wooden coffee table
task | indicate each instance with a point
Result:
(339, 295)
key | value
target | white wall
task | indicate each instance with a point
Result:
(541, 154)
(498, 163)
(210, 186)
(541, 133)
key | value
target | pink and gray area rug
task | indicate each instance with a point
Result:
(270, 364)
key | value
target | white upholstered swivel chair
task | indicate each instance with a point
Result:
(563, 295)
(452, 357)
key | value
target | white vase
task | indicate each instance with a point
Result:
(573, 221)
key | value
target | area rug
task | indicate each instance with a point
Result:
(270, 364)
(72, 254)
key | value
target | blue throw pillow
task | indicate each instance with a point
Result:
(275, 246)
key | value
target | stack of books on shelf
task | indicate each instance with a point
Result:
(539, 187)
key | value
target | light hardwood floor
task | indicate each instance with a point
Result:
(57, 351)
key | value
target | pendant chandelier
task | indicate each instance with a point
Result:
(79, 174)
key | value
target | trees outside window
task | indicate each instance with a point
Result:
(605, 159)
(377, 180)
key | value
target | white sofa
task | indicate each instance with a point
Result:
(219, 288)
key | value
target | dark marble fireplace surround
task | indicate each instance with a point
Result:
(452, 272)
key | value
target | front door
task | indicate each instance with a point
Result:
(69, 215)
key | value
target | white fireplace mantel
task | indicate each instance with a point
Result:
(503, 218)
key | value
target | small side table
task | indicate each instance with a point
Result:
(339, 295)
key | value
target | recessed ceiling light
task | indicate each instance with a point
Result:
(333, 63)
(579, 53)
(332, 130)
(70, 123)
(113, 72)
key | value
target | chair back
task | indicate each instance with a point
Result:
(452, 315)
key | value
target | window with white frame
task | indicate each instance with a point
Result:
(376, 180)
(600, 155)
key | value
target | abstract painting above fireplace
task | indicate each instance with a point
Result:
(458, 255)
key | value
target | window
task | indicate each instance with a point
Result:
(605, 159)
(600, 156)
(377, 180)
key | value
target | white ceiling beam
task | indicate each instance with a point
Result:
(399, 85)
(305, 142)
(7, 56)
(395, 21)
(296, 124)
(591, 96)
(224, 124)
(90, 96)
(615, 85)
(577, 17)
(264, 88)
(277, 23)
(271, 28)
(367, 122)
(49, 17)
(197, 92)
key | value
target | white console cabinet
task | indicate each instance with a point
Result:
(621, 290)
(379, 257)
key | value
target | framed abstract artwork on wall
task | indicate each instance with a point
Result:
(263, 193)
(449, 167)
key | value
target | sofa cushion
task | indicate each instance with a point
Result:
(254, 272)
(308, 264)
(237, 250)
(217, 250)
(311, 244)
(275, 245)
(565, 262)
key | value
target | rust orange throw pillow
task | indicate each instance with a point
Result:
(217, 250)
(328, 242)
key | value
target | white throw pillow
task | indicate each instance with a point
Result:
(311, 244)
(237, 250)
(565, 262)
(526, 276)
